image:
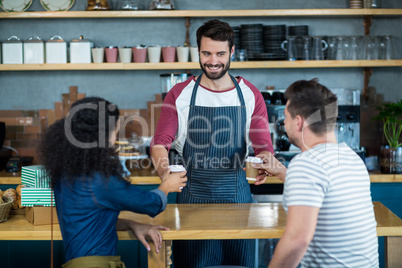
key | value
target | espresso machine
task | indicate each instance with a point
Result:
(347, 127)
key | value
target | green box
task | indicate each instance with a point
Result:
(31, 196)
(35, 176)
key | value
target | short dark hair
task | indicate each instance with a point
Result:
(314, 102)
(216, 30)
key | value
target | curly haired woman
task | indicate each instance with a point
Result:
(90, 190)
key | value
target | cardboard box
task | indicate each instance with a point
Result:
(40, 215)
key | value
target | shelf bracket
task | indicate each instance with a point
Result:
(187, 24)
(368, 71)
(368, 21)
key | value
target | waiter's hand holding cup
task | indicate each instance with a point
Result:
(251, 172)
(177, 168)
(173, 179)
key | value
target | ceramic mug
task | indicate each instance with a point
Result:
(154, 54)
(182, 54)
(139, 54)
(111, 54)
(168, 54)
(125, 54)
(194, 54)
(98, 54)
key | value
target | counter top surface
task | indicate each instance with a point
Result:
(149, 176)
(193, 221)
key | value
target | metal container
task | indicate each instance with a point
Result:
(34, 50)
(80, 50)
(56, 50)
(12, 50)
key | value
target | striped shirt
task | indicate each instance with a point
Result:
(334, 178)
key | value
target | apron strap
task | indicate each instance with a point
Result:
(239, 93)
(195, 88)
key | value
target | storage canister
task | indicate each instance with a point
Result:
(80, 50)
(12, 50)
(34, 50)
(56, 50)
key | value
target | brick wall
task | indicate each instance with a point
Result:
(23, 128)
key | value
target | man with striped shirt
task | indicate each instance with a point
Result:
(330, 220)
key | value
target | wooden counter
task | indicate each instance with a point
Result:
(149, 176)
(230, 221)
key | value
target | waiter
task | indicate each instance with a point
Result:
(213, 118)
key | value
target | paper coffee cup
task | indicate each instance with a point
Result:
(252, 172)
(177, 168)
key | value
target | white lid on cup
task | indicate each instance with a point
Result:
(177, 168)
(253, 159)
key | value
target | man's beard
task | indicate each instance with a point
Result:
(215, 76)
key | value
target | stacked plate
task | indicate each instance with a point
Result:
(298, 31)
(251, 39)
(273, 36)
(355, 3)
(236, 31)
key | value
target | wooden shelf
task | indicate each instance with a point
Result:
(195, 65)
(201, 13)
(149, 177)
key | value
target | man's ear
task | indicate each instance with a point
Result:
(232, 51)
(299, 122)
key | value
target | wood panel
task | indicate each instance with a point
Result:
(192, 221)
(149, 177)
(393, 256)
(196, 66)
(201, 13)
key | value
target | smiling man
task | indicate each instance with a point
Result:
(213, 119)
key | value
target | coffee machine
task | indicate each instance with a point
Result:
(347, 127)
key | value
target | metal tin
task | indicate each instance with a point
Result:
(34, 50)
(12, 50)
(56, 50)
(80, 50)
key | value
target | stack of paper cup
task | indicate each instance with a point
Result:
(355, 3)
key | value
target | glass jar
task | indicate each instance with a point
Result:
(161, 5)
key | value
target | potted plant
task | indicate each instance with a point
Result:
(391, 115)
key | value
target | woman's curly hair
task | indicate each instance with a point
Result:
(78, 145)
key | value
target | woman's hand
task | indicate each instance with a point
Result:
(172, 181)
(143, 232)
(270, 167)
